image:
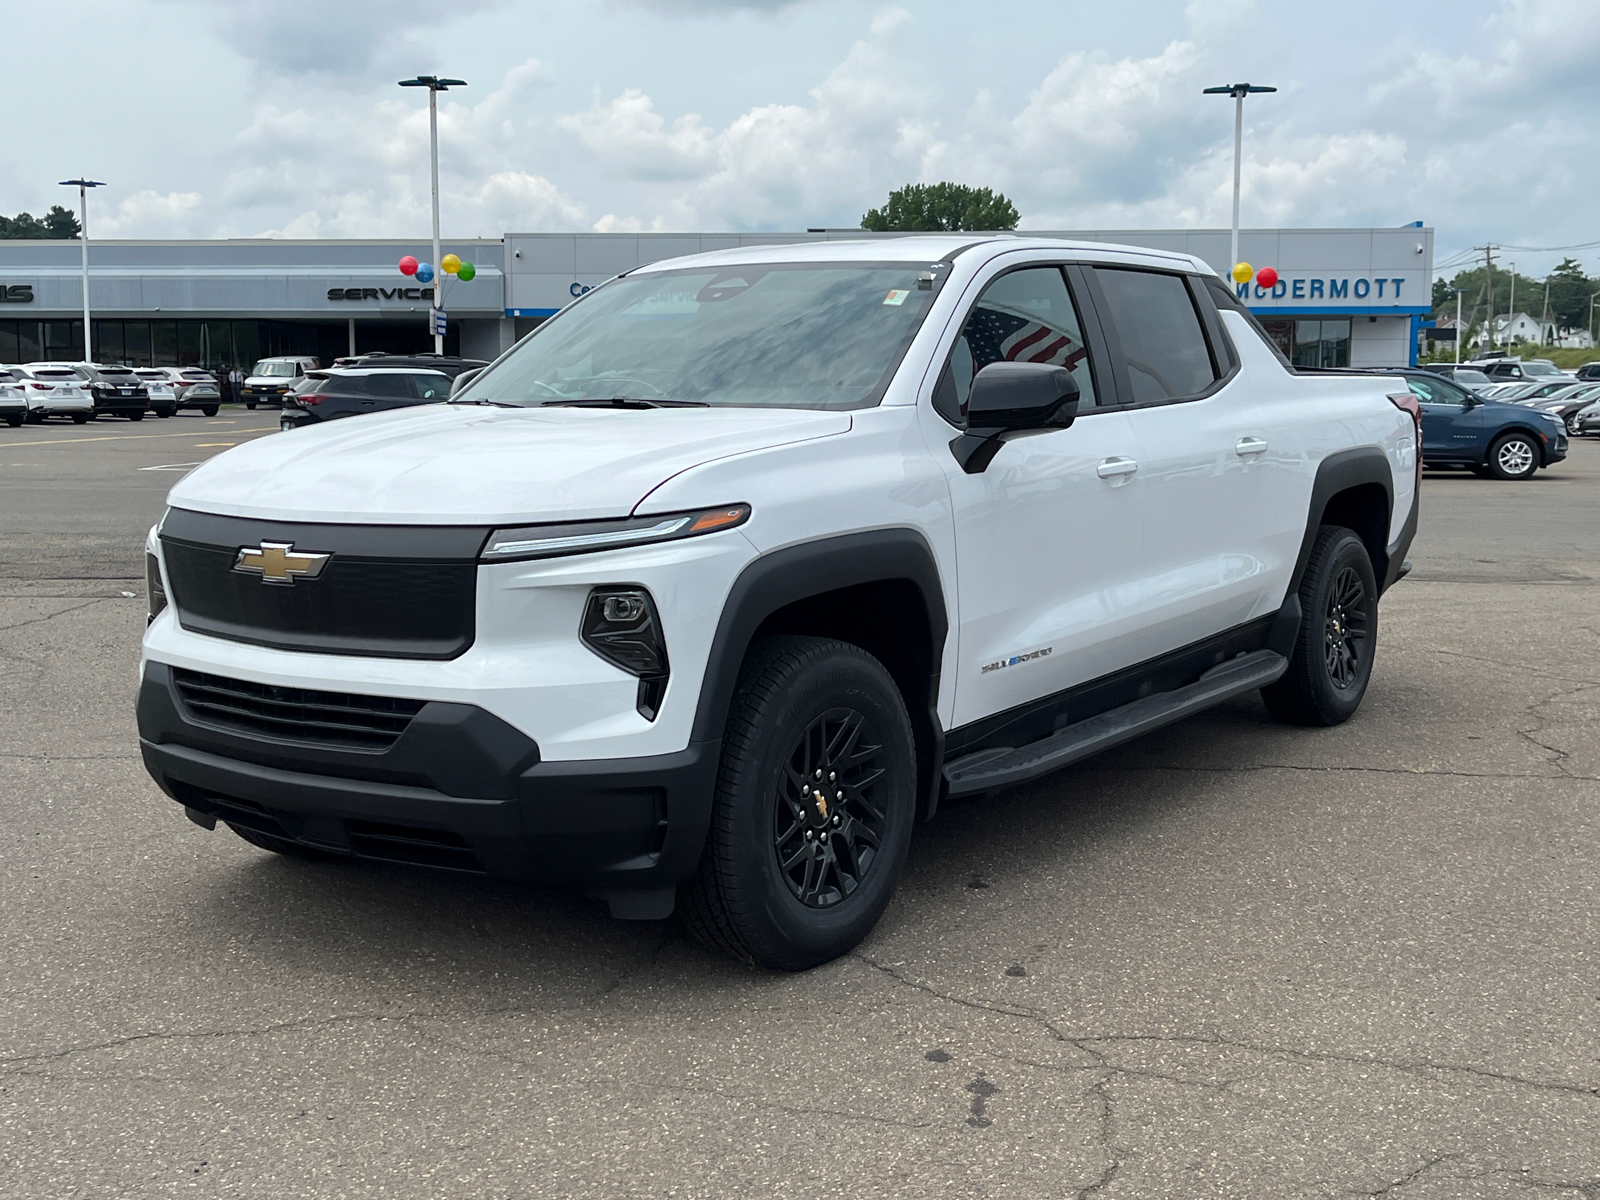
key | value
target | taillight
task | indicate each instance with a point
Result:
(310, 398)
(1406, 402)
(42, 387)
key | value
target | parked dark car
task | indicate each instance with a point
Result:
(448, 363)
(1467, 377)
(1589, 370)
(1568, 403)
(351, 391)
(1461, 429)
(1503, 370)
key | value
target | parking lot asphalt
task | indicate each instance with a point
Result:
(1232, 959)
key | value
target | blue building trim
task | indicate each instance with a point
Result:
(1385, 310)
(532, 312)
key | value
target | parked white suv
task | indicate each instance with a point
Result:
(714, 584)
(54, 391)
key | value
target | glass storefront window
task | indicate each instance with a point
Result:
(136, 343)
(1321, 343)
(189, 343)
(27, 341)
(8, 342)
(108, 341)
(63, 341)
(216, 344)
(164, 343)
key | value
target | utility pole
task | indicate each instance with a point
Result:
(83, 186)
(1460, 332)
(1544, 314)
(1488, 264)
(1238, 91)
(1511, 309)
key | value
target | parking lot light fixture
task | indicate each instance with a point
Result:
(435, 85)
(83, 186)
(1238, 91)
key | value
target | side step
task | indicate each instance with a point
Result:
(990, 770)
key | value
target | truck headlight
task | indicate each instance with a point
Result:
(621, 625)
(583, 537)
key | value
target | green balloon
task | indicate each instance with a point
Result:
(466, 271)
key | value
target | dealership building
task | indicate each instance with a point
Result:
(1344, 297)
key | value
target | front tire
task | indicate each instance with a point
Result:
(250, 404)
(816, 796)
(80, 418)
(1514, 457)
(1332, 660)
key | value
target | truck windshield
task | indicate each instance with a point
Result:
(268, 367)
(824, 335)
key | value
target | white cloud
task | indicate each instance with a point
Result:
(152, 214)
(629, 135)
(888, 21)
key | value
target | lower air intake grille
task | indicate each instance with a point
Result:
(336, 719)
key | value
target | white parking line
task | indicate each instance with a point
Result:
(172, 467)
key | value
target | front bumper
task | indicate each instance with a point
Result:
(460, 789)
(261, 396)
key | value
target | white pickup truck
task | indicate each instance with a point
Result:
(710, 588)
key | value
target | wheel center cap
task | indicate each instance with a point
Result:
(822, 804)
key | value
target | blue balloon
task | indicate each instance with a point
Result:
(424, 272)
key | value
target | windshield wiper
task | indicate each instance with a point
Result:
(496, 403)
(624, 402)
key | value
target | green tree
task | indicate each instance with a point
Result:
(57, 223)
(1570, 289)
(941, 206)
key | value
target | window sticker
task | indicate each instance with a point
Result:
(897, 296)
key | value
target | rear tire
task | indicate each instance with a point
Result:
(15, 422)
(277, 845)
(135, 416)
(80, 418)
(209, 410)
(1332, 660)
(1513, 456)
(816, 796)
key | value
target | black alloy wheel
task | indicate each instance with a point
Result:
(830, 829)
(1334, 650)
(816, 796)
(1344, 625)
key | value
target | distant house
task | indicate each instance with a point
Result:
(1512, 328)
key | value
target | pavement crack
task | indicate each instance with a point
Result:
(1025, 1014)
(52, 616)
(1404, 1179)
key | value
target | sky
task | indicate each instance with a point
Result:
(281, 118)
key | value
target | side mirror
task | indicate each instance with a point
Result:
(1009, 398)
(466, 377)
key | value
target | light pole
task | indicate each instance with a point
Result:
(1238, 91)
(1592, 295)
(83, 186)
(435, 85)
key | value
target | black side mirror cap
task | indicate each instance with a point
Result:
(1009, 398)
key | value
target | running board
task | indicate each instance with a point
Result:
(1002, 766)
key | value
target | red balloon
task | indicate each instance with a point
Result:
(408, 265)
(1267, 277)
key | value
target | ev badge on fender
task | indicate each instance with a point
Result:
(275, 562)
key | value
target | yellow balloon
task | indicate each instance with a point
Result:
(1242, 272)
(450, 264)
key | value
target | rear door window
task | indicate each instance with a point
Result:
(1163, 343)
(391, 387)
(431, 387)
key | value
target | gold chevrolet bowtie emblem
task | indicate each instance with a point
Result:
(276, 562)
(822, 804)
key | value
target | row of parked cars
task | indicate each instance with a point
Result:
(82, 392)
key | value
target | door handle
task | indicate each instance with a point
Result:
(1112, 467)
(1250, 445)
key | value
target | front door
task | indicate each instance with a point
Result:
(1452, 421)
(1048, 535)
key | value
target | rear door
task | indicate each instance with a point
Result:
(386, 390)
(1221, 459)
(1452, 420)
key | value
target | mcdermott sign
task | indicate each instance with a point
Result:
(1358, 287)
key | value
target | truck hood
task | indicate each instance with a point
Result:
(444, 464)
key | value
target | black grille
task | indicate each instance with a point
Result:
(335, 719)
(385, 592)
